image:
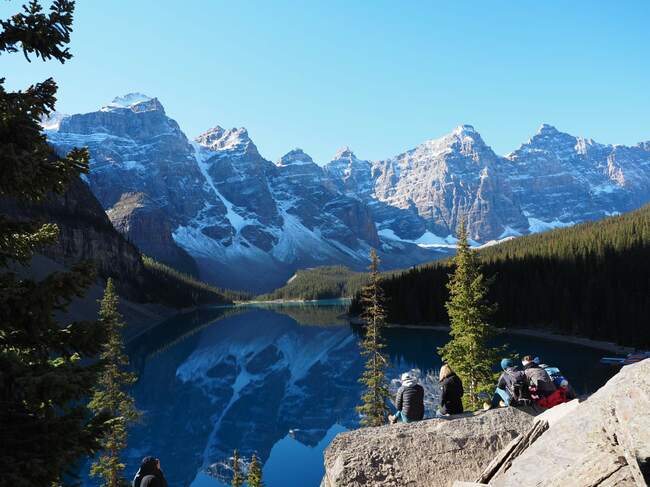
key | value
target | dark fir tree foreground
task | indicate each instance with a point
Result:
(374, 407)
(45, 427)
(237, 477)
(468, 352)
(111, 394)
(254, 478)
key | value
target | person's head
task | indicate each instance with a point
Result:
(526, 360)
(505, 363)
(407, 377)
(445, 371)
(149, 465)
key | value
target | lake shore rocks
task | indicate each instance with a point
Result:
(603, 440)
(426, 453)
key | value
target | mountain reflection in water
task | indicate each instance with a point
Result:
(276, 380)
(218, 379)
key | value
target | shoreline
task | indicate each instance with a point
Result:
(544, 334)
(287, 301)
(576, 340)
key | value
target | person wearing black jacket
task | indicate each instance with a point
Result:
(409, 400)
(451, 391)
(149, 474)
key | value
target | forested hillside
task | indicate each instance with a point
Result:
(86, 234)
(181, 290)
(591, 280)
(320, 283)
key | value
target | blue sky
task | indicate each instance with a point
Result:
(378, 76)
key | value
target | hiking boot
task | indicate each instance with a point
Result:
(486, 406)
(392, 419)
(502, 404)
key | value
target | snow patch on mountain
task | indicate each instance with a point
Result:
(296, 157)
(426, 240)
(53, 121)
(235, 219)
(219, 139)
(128, 100)
(536, 225)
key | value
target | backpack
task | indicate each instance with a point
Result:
(519, 390)
(556, 375)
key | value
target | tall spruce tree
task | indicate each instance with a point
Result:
(111, 394)
(254, 478)
(468, 352)
(45, 427)
(237, 478)
(374, 407)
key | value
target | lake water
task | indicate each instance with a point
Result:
(280, 381)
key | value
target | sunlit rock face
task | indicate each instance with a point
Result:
(434, 452)
(557, 176)
(554, 179)
(143, 222)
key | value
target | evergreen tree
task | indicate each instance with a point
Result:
(111, 395)
(468, 352)
(45, 426)
(237, 478)
(374, 409)
(590, 279)
(254, 478)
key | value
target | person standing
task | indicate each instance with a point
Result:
(451, 391)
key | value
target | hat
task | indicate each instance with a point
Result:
(406, 376)
(505, 363)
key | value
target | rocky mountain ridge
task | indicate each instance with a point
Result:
(250, 223)
(552, 180)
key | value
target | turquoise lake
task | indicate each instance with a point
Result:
(280, 381)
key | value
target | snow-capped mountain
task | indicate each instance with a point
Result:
(557, 177)
(552, 180)
(250, 223)
(247, 222)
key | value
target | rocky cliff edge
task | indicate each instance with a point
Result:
(601, 441)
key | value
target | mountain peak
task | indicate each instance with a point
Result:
(218, 138)
(464, 129)
(128, 100)
(136, 102)
(344, 153)
(546, 129)
(295, 157)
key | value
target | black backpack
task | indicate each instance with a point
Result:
(519, 390)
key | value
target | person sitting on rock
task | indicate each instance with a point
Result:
(558, 379)
(149, 474)
(409, 400)
(511, 386)
(451, 391)
(537, 377)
